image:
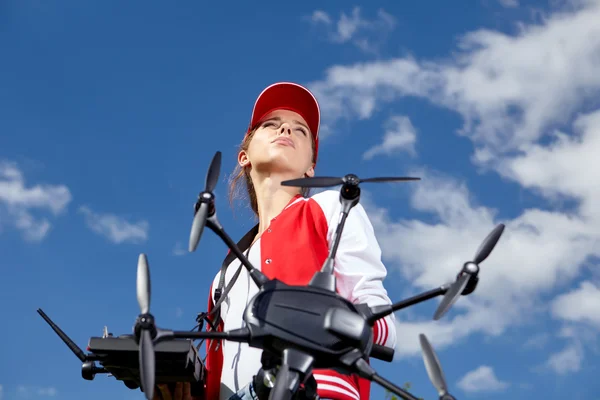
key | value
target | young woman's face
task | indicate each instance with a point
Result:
(282, 143)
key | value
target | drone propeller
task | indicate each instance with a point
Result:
(434, 369)
(204, 206)
(327, 181)
(143, 288)
(469, 271)
(145, 328)
(349, 197)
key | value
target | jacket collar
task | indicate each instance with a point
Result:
(247, 239)
(293, 199)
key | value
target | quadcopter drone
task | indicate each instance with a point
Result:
(318, 329)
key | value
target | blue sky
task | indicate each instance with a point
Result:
(110, 113)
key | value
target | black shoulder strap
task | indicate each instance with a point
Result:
(243, 245)
(220, 295)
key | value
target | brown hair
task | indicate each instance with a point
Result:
(239, 173)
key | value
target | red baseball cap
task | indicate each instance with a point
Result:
(288, 96)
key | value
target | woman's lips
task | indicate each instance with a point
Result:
(285, 141)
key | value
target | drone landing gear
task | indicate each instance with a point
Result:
(295, 369)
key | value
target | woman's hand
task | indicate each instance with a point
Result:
(182, 392)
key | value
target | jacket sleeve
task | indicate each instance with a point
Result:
(358, 266)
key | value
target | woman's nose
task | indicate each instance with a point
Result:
(285, 128)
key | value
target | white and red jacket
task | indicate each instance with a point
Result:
(292, 249)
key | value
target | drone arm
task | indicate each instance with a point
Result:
(374, 314)
(367, 372)
(359, 269)
(257, 276)
(237, 335)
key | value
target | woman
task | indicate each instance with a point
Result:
(290, 242)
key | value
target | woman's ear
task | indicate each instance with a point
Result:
(311, 172)
(243, 159)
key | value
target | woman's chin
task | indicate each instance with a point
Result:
(278, 164)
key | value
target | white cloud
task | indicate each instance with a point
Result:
(568, 166)
(579, 341)
(400, 135)
(19, 202)
(508, 88)
(567, 360)
(514, 92)
(537, 341)
(49, 391)
(481, 379)
(513, 280)
(320, 16)
(509, 3)
(29, 391)
(356, 29)
(179, 250)
(579, 305)
(115, 228)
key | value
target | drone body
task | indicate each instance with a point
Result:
(302, 327)
(282, 316)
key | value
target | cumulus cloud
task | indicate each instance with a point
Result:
(509, 3)
(115, 228)
(537, 341)
(19, 202)
(567, 360)
(364, 33)
(508, 88)
(30, 391)
(528, 105)
(514, 279)
(179, 250)
(565, 167)
(579, 305)
(400, 136)
(49, 391)
(320, 17)
(481, 379)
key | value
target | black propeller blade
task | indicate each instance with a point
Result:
(204, 207)
(451, 296)
(488, 244)
(212, 175)
(146, 328)
(434, 369)
(470, 270)
(327, 181)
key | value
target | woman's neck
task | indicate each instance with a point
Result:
(271, 198)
